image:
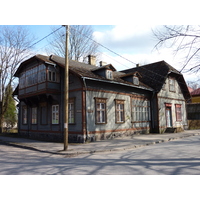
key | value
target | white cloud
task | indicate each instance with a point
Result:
(135, 43)
(131, 38)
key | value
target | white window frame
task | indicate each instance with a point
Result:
(119, 111)
(109, 74)
(55, 114)
(71, 111)
(101, 112)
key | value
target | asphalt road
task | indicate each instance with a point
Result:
(174, 157)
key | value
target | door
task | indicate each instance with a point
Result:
(168, 117)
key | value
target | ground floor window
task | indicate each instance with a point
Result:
(119, 111)
(100, 110)
(43, 113)
(140, 110)
(178, 112)
(34, 115)
(71, 111)
(24, 114)
(55, 114)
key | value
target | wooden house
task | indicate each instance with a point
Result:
(103, 103)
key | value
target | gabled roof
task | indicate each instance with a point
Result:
(154, 75)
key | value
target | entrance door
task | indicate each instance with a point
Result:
(168, 117)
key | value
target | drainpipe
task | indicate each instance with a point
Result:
(85, 86)
(152, 112)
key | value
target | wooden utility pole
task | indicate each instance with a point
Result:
(66, 89)
(1, 104)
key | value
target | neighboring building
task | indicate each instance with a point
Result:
(195, 96)
(169, 97)
(193, 109)
(103, 103)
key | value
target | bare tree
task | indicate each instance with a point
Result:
(15, 42)
(81, 43)
(185, 39)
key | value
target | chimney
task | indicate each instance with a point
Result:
(137, 65)
(101, 63)
(91, 60)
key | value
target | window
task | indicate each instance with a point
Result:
(55, 114)
(178, 112)
(32, 76)
(172, 85)
(24, 114)
(34, 116)
(52, 76)
(135, 80)
(100, 111)
(140, 110)
(119, 111)
(109, 74)
(41, 73)
(43, 113)
(71, 109)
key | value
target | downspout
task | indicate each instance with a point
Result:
(85, 86)
(152, 111)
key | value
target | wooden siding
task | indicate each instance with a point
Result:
(165, 96)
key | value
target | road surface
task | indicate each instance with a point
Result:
(174, 157)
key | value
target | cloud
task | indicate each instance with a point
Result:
(128, 38)
(135, 43)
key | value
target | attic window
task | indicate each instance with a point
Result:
(109, 74)
(135, 80)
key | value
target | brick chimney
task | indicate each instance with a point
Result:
(101, 63)
(91, 60)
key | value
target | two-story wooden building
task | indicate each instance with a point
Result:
(103, 103)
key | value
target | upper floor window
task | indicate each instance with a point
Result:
(135, 80)
(32, 76)
(109, 74)
(171, 84)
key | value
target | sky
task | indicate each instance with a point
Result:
(131, 37)
(135, 43)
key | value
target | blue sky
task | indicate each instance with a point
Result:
(134, 42)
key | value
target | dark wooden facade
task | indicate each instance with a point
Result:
(103, 103)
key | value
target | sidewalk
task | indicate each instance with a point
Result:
(117, 144)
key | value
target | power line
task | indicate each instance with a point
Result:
(44, 37)
(107, 49)
(104, 46)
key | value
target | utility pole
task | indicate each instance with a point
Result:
(1, 105)
(66, 89)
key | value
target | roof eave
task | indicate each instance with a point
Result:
(114, 82)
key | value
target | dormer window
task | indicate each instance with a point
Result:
(135, 80)
(109, 74)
